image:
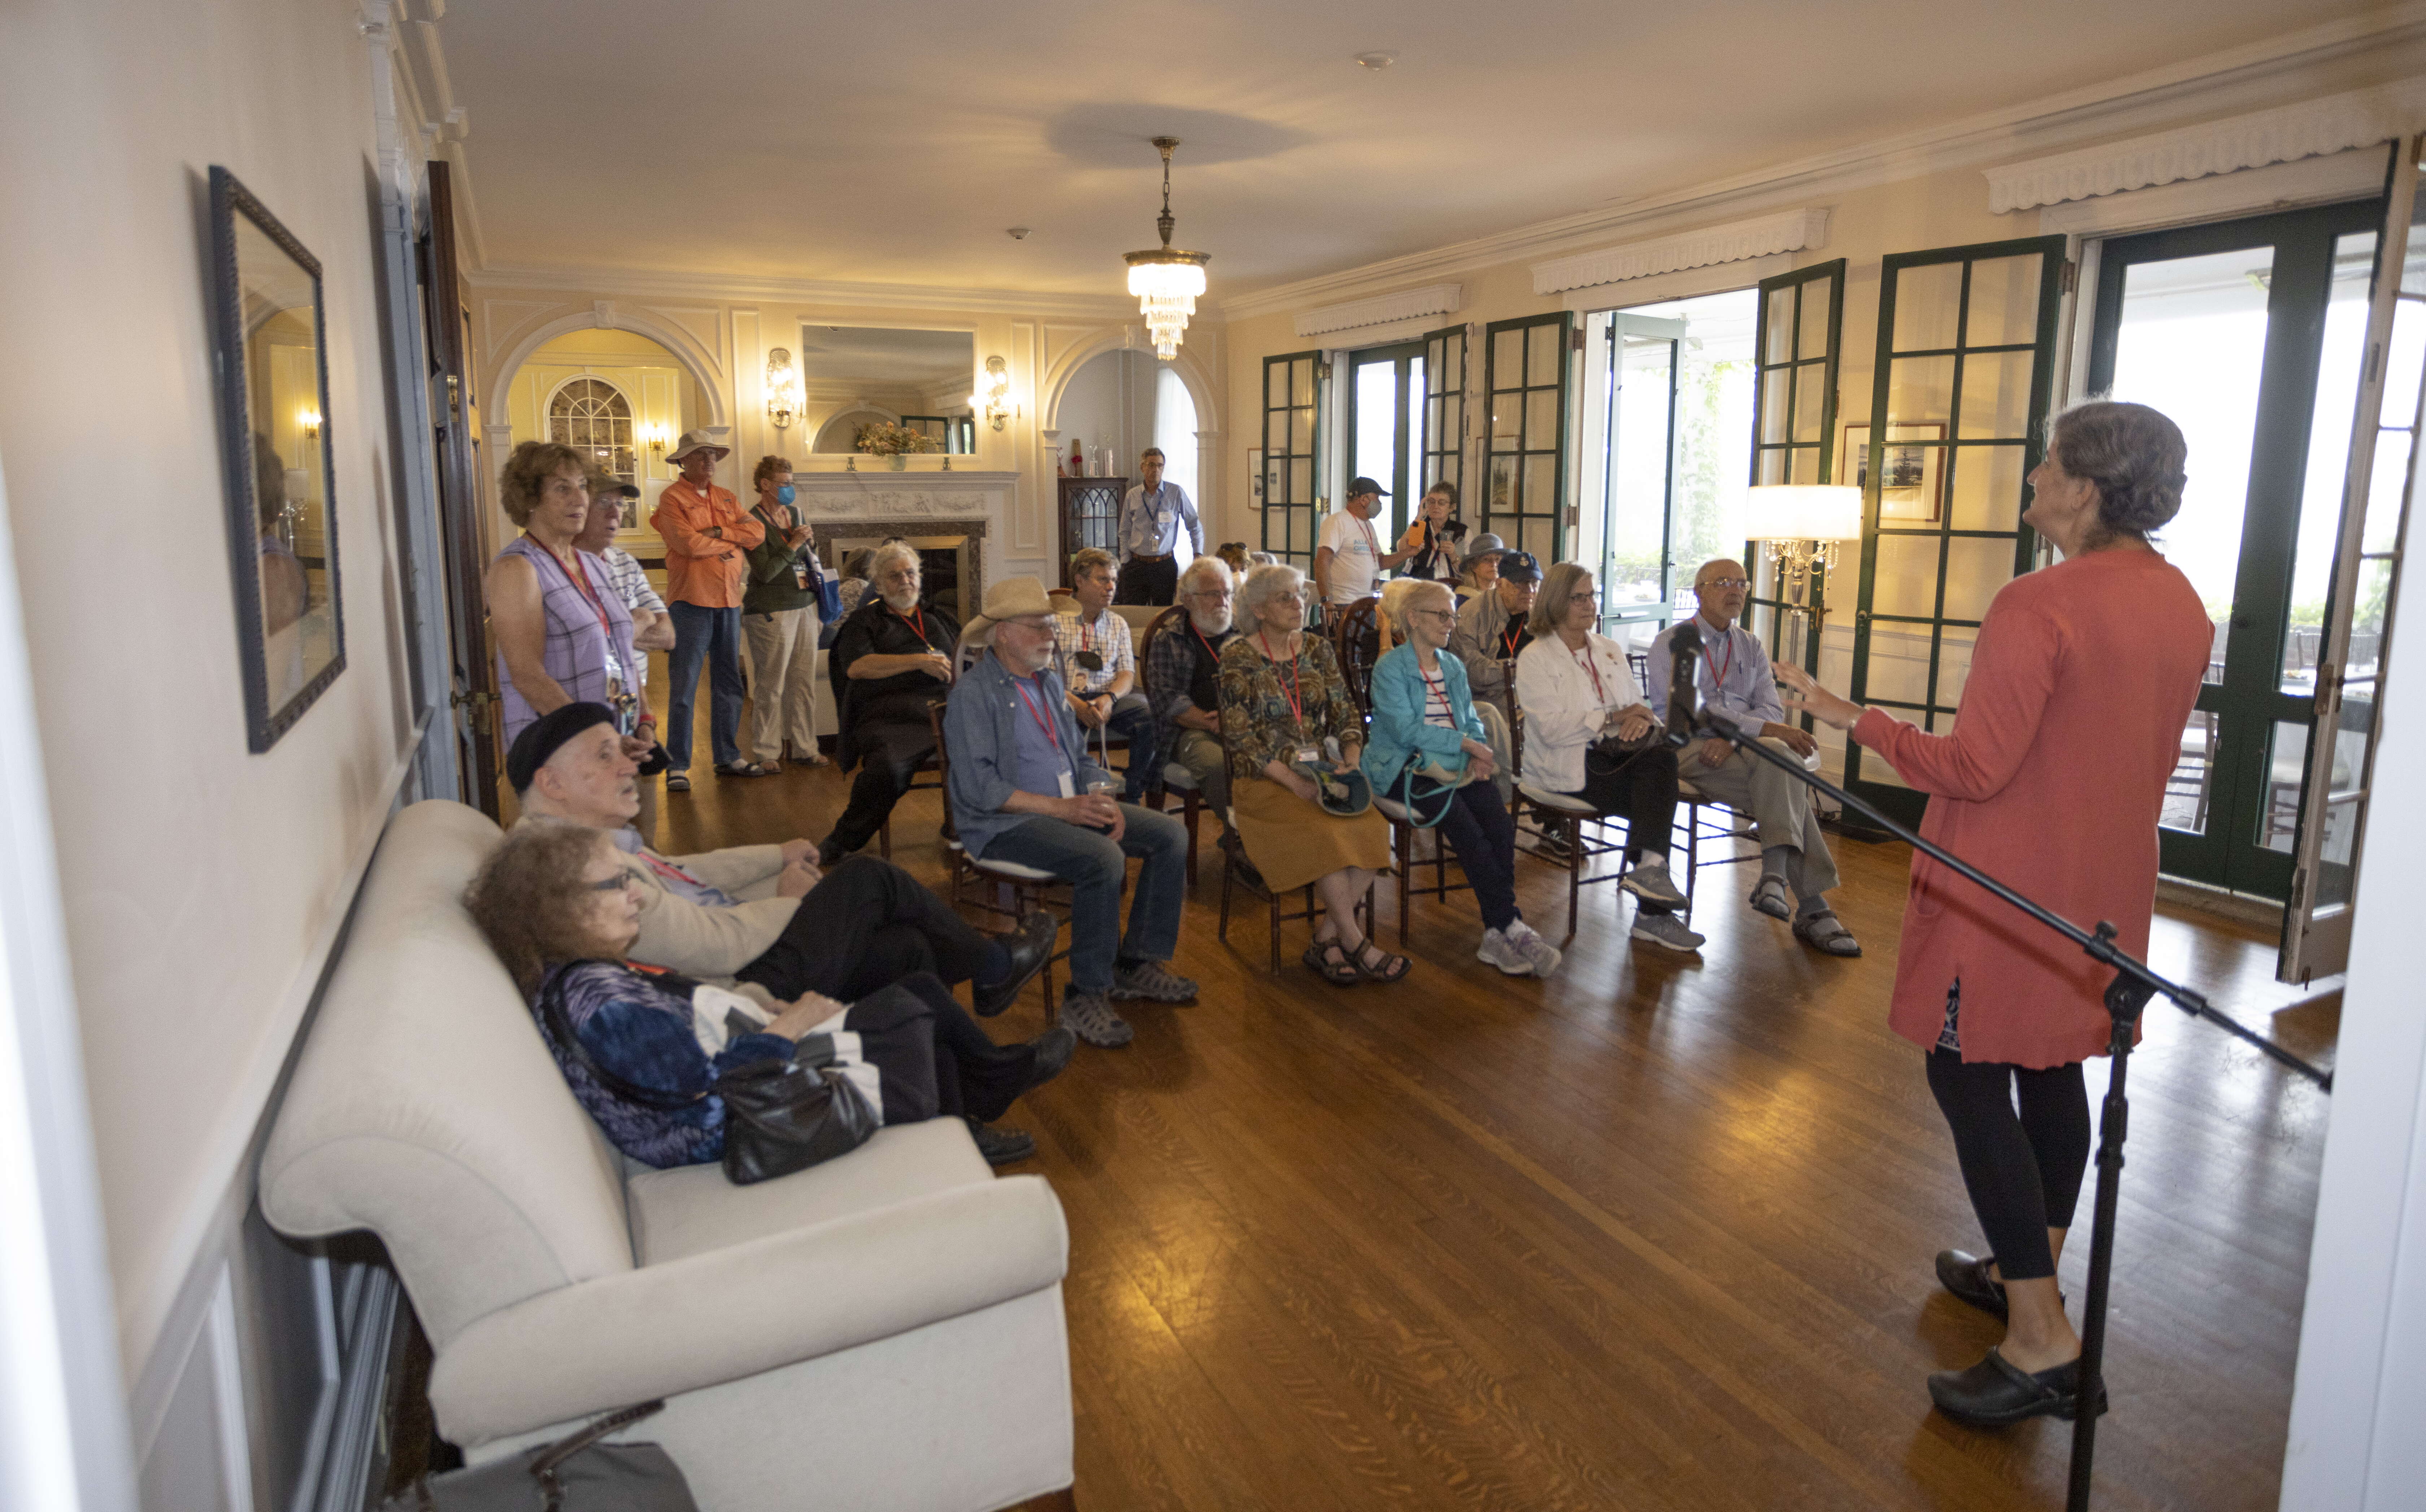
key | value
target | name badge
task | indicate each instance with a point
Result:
(1309, 754)
(1069, 788)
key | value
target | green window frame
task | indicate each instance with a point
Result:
(1292, 447)
(1525, 381)
(1964, 375)
(1444, 457)
(1799, 332)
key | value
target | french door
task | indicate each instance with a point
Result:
(1292, 448)
(1636, 570)
(2249, 334)
(1385, 424)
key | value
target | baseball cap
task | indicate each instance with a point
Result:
(1364, 485)
(1519, 567)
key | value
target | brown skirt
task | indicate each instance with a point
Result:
(1293, 842)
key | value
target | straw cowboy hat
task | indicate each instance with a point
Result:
(696, 440)
(1011, 599)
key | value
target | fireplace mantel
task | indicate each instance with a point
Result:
(925, 494)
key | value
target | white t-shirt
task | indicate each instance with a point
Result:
(1355, 556)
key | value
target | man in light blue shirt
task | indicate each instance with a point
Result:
(1151, 516)
(1734, 686)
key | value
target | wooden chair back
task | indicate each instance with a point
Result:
(1355, 628)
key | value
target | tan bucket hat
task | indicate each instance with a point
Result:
(1011, 599)
(694, 440)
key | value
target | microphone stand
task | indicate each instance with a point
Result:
(2134, 984)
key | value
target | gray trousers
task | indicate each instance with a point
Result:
(1780, 810)
(1200, 752)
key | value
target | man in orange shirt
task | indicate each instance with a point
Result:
(707, 541)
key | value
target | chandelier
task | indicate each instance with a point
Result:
(1167, 280)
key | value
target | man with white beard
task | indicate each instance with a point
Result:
(891, 659)
(1183, 682)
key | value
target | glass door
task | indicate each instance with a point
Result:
(1637, 568)
(1525, 388)
(1385, 425)
(2249, 334)
(1292, 445)
(1801, 319)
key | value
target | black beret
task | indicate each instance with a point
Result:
(544, 736)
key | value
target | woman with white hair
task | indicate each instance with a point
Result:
(1429, 752)
(1288, 719)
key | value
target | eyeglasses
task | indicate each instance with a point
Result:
(1450, 614)
(614, 884)
(1723, 583)
(1583, 598)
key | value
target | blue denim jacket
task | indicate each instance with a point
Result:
(982, 739)
(1397, 730)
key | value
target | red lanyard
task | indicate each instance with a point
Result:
(1296, 710)
(918, 624)
(1718, 674)
(1584, 659)
(1439, 688)
(1036, 712)
(1372, 542)
(1086, 635)
(668, 868)
(1207, 644)
(606, 626)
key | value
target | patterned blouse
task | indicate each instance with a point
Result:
(1258, 716)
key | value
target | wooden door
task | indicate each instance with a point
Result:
(456, 442)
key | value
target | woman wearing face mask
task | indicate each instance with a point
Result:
(779, 622)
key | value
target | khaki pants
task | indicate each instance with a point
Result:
(783, 681)
(1779, 807)
(1200, 752)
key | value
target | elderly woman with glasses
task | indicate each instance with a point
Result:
(1287, 715)
(558, 905)
(563, 635)
(1426, 736)
(1591, 739)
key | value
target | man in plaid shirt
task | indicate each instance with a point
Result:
(1099, 666)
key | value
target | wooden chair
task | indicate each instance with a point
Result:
(1231, 875)
(1029, 889)
(1402, 849)
(1354, 628)
(1173, 778)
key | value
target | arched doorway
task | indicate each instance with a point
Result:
(620, 396)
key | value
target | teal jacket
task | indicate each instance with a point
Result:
(1398, 728)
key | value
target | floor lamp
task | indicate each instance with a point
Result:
(1804, 525)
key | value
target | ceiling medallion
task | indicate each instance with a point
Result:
(1167, 280)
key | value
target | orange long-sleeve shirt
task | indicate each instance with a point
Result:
(709, 570)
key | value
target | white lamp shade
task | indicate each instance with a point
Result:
(1803, 511)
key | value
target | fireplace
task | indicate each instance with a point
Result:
(951, 559)
(954, 520)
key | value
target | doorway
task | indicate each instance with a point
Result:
(1386, 423)
(2248, 333)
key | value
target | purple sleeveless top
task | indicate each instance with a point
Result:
(579, 653)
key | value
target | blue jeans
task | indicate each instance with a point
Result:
(1133, 722)
(714, 637)
(1094, 865)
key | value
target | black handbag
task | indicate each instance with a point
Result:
(577, 1473)
(780, 1116)
(1608, 755)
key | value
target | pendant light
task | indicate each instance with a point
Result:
(1167, 280)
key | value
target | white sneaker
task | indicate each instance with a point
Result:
(1666, 929)
(1539, 954)
(1650, 879)
(1503, 953)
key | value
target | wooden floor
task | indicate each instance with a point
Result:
(1654, 1234)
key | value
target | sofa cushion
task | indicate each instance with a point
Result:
(692, 1209)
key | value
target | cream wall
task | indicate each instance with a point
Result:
(196, 878)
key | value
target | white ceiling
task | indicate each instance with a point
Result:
(894, 143)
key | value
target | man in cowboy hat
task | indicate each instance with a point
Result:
(1022, 791)
(707, 566)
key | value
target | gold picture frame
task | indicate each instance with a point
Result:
(1914, 490)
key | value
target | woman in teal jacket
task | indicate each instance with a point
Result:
(1423, 716)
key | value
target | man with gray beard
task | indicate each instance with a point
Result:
(1183, 678)
(891, 659)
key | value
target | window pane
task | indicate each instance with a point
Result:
(1810, 395)
(1920, 391)
(2278, 816)
(1899, 667)
(1536, 535)
(1781, 327)
(1540, 419)
(1301, 480)
(1816, 296)
(2190, 792)
(1301, 431)
(1302, 382)
(1907, 576)
(1773, 467)
(1276, 385)
(1507, 359)
(1507, 420)
(1995, 395)
(2004, 302)
(1928, 300)
(1775, 386)
(1986, 487)
(1542, 355)
(1540, 483)
(1975, 567)
(1805, 464)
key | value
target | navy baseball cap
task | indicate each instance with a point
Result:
(1519, 567)
(1364, 486)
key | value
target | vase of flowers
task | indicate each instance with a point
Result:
(895, 442)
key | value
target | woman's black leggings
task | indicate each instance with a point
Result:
(2023, 1172)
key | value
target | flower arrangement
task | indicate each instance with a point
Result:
(883, 437)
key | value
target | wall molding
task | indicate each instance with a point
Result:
(1790, 230)
(1381, 309)
(2312, 128)
(2355, 173)
(657, 284)
(2252, 77)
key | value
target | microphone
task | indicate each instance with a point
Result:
(1684, 651)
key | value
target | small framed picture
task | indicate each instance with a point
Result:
(1255, 475)
(1914, 486)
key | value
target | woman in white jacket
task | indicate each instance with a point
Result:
(1574, 687)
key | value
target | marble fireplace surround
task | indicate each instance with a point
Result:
(859, 509)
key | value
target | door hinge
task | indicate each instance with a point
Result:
(2071, 275)
(2329, 691)
(1575, 338)
(478, 701)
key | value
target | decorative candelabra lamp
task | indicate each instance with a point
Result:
(1805, 524)
(783, 388)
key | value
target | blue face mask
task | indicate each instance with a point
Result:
(786, 493)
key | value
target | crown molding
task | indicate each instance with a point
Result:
(2313, 128)
(2255, 76)
(1790, 231)
(1089, 309)
(1381, 309)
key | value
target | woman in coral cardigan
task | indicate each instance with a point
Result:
(2051, 781)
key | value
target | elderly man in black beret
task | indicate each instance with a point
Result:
(765, 914)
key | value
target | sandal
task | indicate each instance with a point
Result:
(1823, 932)
(1392, 969)
(1318, 956)
(677, 781)
(743, 769)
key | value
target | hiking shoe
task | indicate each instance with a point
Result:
(1539, 954)
(1001, 1147)
(1650, 881)
(1090, 1016)
(1667, 930)
(1556, 841)
(1030, 946)
(1153, 981)
(1499, 951)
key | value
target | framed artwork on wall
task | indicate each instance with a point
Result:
(1256, 475)
(271, 338)
(1913, 489)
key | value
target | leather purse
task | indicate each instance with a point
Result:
(577, 1473)
(780, 1116)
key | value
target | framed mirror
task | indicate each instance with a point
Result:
(273, 381)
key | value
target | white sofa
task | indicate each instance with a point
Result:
(881, 1332)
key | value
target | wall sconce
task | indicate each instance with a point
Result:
(783, 388)
(310, 419)
(1804, 524)
(654, 434)
(995, 399)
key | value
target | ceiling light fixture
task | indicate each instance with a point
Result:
(1376, 62)
(1167, 280)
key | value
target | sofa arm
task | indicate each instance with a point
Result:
(734, 1313)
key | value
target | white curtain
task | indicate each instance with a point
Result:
(1175, 431)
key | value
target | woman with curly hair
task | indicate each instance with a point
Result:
(562, 633)
(558, 907)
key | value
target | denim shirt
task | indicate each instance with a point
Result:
(981, 735)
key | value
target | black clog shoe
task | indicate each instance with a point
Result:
(1997, 1393)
